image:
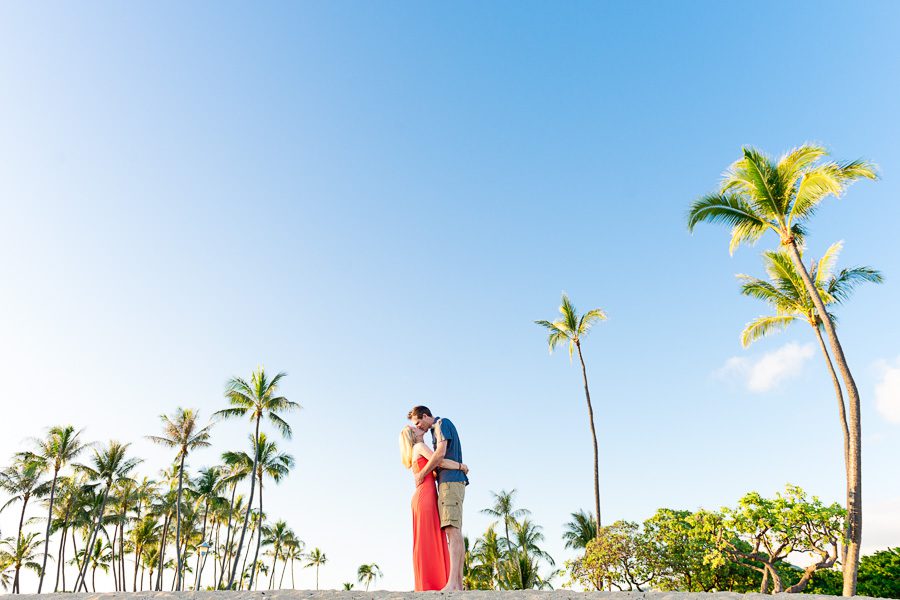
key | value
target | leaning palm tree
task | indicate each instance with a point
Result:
(276, 536)
(368, 574)
(205, 490)
(580, 530)
(257, 398)
(108, 466)
(59, 448)
(316, 559)
(786, 294)
(234, 471)
(570, 329)
(182, 432)
(758, 194)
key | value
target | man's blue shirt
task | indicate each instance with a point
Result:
(443, 429)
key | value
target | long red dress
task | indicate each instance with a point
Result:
(431, 557)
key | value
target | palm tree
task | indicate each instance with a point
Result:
(108, 465)
(368, 574)
(294, 547)
(204, 490)
(786, 293)
(257, 399)
(348, 586)
(181, 431)
(316, 559)
(22, 481)
(59, 448)
(144, 535)
(276, 536)
(489, 554)
(757, 195)
(273, 464)
(570, 329)
(21, 554)
(503, 509)
(580, 530)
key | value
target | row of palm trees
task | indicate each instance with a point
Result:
(98, 512)
(759, 195)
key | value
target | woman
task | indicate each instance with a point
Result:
(431, 557)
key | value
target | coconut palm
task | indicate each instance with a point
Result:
(257, 399)
(368, 574)
(22, 481)
(108, 465)
(144, 535)
(758, 194)
(348, 586)
(58, 449)
(580, 530)
(570, 329)
(21, 553)
(204, 491)
(294, 547)
(276, 536)
(488, 551)
(181, 431)
(316, 559)
(786, 293)
(503, 510)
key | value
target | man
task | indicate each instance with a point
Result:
(451, 486)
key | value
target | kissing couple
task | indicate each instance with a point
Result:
(437, 511)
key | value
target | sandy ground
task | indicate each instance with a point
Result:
(473, 595)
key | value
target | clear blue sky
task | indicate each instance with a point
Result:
(380, 198)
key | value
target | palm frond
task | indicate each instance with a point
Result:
(763, 326)
(841, 286)
(792, 164)
(729, 209)
(825, 265)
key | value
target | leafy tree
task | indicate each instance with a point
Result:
(774, 528)
(20, 553)
(617, 557)
(879, 574)
(570, 329)
(22, 480)
(758, 195)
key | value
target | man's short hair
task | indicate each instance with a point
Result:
(418, 411)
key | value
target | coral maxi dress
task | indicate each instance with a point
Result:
(431, 557)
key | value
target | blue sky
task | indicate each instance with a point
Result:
(379, 199)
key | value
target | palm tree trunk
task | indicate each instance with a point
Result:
(112, 545)
(854, 466)
(587, 395)
(293, 585)
(247, 556)
(61, 555)
(237, 553)
(47, 533)
(317, 577)
(199, 552)
(227, 538)
(25, 498)
(283, 570)
(258, 537)
(274, 562)
(839, 393)
(137, 562)
(162, 554)
(178, 525)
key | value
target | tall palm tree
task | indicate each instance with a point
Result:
(488, 551)
(786, 293)
(58, 449)
(293, 549)
(580, 530)
(316, 559)
(144, 535)
(181, 431)
(22, 481)
(21, 554)
(108, 465)
(758, 194)
(368, 574)
(570, 329)
(257, 399)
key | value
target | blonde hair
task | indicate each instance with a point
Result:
(407, 441)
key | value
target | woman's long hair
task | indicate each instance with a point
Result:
(407, 441)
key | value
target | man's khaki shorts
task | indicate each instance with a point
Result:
(450, 503)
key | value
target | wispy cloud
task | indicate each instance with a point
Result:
(766, 372)
(887, 390)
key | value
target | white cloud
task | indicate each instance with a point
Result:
(887, 390)
(767, 371)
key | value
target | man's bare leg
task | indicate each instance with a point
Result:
(457, 556)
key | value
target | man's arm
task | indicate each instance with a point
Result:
(439, 453)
